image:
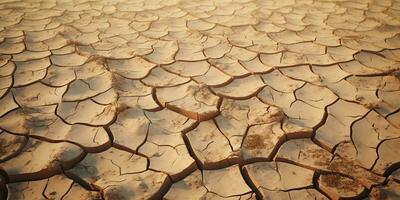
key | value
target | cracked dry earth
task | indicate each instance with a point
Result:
(227, 99)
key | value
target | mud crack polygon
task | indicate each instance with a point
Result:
(199, 99)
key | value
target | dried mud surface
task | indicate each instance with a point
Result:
(199, 99)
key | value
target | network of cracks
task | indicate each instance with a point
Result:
(199, 99)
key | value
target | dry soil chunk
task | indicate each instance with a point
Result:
(337, 186)
(225, 182)
(277, 176)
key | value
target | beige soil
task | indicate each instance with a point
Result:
(199, 99)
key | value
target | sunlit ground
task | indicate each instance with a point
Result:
(228, 100)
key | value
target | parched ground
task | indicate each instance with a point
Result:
(199, 99)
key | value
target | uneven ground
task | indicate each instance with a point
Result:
(238, 99)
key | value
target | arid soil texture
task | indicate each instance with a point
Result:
(199, 99)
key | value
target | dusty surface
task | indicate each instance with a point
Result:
(199, 99)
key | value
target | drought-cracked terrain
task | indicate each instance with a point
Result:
(199, 99)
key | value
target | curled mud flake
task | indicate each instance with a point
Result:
(26, 166)
(241, 88)
(68, 60)
(192, 100)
